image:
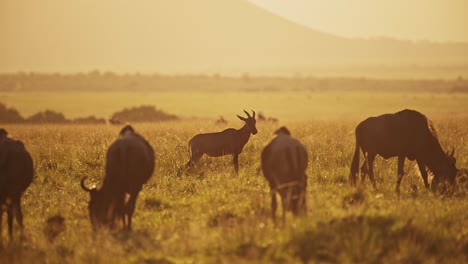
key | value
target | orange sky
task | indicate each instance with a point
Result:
(225, 36)
(436, 20)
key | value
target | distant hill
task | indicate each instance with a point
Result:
(203, 36)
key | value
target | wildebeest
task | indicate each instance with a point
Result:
(405, 134)
(16, 174)
(284, 163)
(227, 142)
(130, 163)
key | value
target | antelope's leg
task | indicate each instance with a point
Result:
(235, 161)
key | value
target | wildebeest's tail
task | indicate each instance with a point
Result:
(355, 162)
(189, 148)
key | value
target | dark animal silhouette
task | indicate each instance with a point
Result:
(272, 119)
(130, 163)
(16, 174)
(284, 163)
(54, 226)
(221, 121)
(228, 142)
(262, 117)
(405, 134)
(114, 121)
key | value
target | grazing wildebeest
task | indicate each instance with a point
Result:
(16, 174)
(130, 163)
(405, 134)
(284, 164)
(227, 142)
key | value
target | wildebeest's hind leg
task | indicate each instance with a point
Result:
(130, 208)
(10, 215)
(19, 215)
(274, 205)
(302, 197)
(422, 169)
(401, 172)
(370, 166)
(1, 225)
(364, 168)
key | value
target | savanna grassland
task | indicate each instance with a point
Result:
(211, 215)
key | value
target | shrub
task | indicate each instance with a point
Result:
(9, 115)
(47, 116)
(144, 113)
(89, 120)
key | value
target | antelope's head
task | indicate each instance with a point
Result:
(250, 122)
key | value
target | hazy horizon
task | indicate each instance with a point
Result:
(229, 37)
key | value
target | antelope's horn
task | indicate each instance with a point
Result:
(453, 152)
(253, 113)
(247, 113)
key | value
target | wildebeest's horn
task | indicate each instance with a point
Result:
(247, 113)
(253, 113)
(83, 185)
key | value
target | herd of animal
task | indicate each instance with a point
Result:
(130, 163)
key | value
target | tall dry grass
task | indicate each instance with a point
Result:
(212, 216)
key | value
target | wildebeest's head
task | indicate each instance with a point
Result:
(250, 122)
(127, 129)
(98, 213)
(283, 131)
(452, 170)
(447, 175)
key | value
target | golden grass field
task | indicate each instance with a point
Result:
(213, 216)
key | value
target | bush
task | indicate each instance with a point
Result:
(47, 116)
(89, 120)
(9, 115)
(144, 113)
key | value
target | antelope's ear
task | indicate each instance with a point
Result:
(241, 118)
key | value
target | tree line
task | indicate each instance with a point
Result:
(144, 113)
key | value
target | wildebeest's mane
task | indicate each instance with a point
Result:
(433, 132)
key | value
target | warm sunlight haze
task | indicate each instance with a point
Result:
(235, 36)
(420, 20)
(233, 131)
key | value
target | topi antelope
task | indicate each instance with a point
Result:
(228, 142)
(284, 164)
